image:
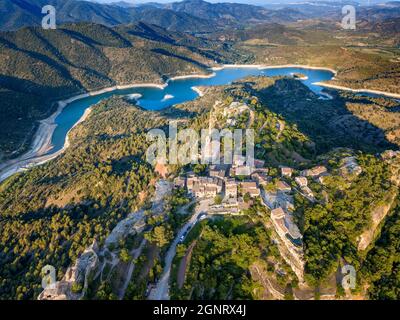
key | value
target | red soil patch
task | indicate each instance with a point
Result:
(161, 169)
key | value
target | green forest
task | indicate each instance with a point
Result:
(52, 212)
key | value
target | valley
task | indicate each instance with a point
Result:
(79, 193)
(123, 172)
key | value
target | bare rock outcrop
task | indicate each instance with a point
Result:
(75, 275)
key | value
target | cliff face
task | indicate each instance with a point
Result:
(378, 215)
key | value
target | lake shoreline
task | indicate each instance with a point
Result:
(378, 92)
(198, 91)
(37, 156)
(42, 138)
(194, 76)
(264, 67)
(322, 84)
(41, 142)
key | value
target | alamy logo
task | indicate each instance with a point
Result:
(349, 19)
(349, 278)
(49, 20)
(183, 146)
(48, 276)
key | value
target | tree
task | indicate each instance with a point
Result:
(199, 168)
(218, 199)
(124, 255)
(160, 236)
(76, 287)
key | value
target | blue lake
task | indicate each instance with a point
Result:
(177, 91)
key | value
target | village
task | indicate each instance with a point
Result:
(231, 189)
(233, 185)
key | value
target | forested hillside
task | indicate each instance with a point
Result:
(66, 204)
(194, 16)
(23, 13)
(38, 67)
(51, 213)
(365, 58)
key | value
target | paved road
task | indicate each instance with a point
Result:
(161, 291)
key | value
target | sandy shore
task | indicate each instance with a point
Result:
(167, 97)
(49, 157)
(225, 66)
(262, 67)
(300, 66)
(42, 140)
(382, 93)
(134, 96)
(199, 92)
(204, 76)
(42, 144)
(298, 78)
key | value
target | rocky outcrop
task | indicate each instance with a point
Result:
(378, 214)
(77, 274)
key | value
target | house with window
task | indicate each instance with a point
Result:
(286, 172)
(301, 181)
(231, 187)
(283, 186)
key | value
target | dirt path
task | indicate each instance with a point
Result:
(251, 118)
(264, 125)
(183, 265)
(135, 253)
(266, 283)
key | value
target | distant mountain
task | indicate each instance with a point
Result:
(223, 11)
(187, 16)
(171, 20)
(232, 13)
(333, 10)
(123, 4)
(195, 16)
(20, 13)
(380, 12)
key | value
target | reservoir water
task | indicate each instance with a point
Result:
(176, 91)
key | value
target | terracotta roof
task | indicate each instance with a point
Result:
(282, 185)
(286, 170)
(281, 225)
(277, 213)
(249, 184)
(301, 180)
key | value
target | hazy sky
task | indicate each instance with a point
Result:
(242, 1)
(239, 1)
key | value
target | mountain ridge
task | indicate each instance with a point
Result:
(188, 15)
(40, 67)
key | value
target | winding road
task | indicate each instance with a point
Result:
(161, 291)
